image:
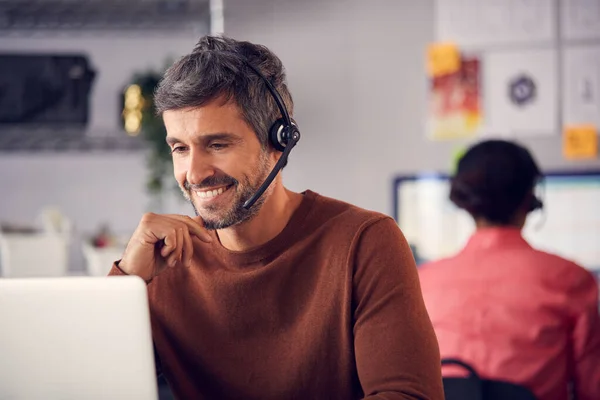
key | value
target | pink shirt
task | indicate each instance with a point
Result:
(517, 314)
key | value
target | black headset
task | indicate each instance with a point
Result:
(526, 159)
(283, 136)
(536, 204)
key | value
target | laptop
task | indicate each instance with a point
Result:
(76, 338)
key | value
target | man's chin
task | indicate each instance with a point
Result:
(216, 225)
(215, 220)
(212, 222)
(217, 217)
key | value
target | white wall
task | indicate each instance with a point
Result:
(356, 69)
(88, 188)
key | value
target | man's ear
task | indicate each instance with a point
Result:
(274, 154)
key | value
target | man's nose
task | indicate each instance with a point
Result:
(199, 168)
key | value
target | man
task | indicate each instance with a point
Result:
(294, 296)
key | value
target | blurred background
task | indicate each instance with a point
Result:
(73, 160)
(376, 86)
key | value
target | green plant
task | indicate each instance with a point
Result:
(152, 130)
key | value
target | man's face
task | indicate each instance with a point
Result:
(218, 162)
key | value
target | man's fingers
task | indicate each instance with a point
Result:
(195, 226)
(170, 244)
(175, 256)
(172, 259)
(160, 241)
(179, 248)
(198, 220)
(188, 249)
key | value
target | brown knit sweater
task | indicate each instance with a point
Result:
(329, 309)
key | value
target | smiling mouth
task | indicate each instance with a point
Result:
(211, 194)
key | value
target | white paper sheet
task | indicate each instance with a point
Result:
(521, 94)
(480, 23)
(581, 85)
(580, 19)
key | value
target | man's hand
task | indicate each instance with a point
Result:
(161, 241)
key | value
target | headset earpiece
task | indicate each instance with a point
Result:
(280, 135)
(536, 204)
(283, 135)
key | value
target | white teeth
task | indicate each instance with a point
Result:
(211, 193)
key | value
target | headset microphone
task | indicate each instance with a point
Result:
(273, 174)
(283, 136)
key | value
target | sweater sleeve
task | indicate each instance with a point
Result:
(396, 349)
(115, 270)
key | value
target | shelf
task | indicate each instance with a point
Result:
(65, 140)
(60, 15)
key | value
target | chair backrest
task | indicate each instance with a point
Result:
(472, 387)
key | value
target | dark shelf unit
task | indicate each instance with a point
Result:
(30, 16)
(47, 140)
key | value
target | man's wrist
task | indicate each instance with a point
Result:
(126, 271)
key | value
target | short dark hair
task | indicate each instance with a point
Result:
(218, 66)
(493, 179)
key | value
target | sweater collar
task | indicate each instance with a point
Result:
(278, 243)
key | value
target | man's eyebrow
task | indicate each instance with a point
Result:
(172, 140)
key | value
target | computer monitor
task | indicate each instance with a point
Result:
(569, 225)
(76, 338)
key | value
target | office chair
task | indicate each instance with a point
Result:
(472, 387)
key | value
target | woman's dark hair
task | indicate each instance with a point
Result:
(493, 180)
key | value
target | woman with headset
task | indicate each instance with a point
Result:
(512, 312)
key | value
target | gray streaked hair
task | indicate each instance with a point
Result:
(216, 67)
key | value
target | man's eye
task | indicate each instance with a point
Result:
(177, 149)
(218, 146)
